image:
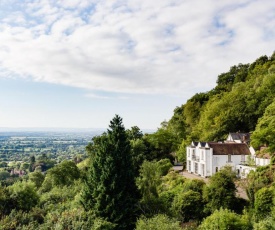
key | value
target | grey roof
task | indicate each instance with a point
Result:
(240, 136)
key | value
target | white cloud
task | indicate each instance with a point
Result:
(133, 46)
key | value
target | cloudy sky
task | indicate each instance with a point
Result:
(77, 63)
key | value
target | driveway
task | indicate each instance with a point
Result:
(240, 191)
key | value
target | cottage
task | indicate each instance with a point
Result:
(207, 158)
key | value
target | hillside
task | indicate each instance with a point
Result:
(243, 100)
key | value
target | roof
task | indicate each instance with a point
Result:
(240, 136)
(200, 144)
(229, 148)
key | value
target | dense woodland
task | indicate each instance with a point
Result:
(127, 181)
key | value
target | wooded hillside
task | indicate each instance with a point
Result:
(243, 100)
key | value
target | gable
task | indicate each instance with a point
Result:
(244, 137)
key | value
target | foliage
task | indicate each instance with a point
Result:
(7, 203)
(265, 130)
(163, 142)
(195, 185)
(181, 153)
(149, 180)
(58, 197)
(158, 222)
(188, 206)
(263, 176)
(110, 189)
(263, 202)
(138, 151)
(235, 104)
(4, 175)
(265, 224)
(25, 195)
(224, 219)
(37, 178)
(164, 165)
(134, 133)
(68, 219)
(221, 191)
(20, 220)
(64, 173)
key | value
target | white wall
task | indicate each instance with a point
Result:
(244, 170)
(262, 161)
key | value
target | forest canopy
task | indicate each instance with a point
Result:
(240, 102)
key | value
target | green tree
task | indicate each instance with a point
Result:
(164, 165)
(110, 189)
(139, 153)
(263, 202)
(224, 219)
(163, 142)
(158, 222)
(265, 224)
(64, 173)
(37, 178)
(188, 206)
(25, 195)
(4, 175)
(149, 180)
(265, 129)
(32, 162)
(134, 133)
(24, 166)
(6, 202)
(221, 191)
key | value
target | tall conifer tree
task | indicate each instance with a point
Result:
(110, 189)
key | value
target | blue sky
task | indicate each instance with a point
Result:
(77, 63)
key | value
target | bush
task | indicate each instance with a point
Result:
(224, 219)
(158, 222)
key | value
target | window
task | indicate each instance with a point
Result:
(242, 158)
(189, 166)
(196, 168)
(229, 158)
(202, 156)
(202, 169)
(217, 169)
(188, 152)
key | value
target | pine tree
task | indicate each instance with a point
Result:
(110, 189)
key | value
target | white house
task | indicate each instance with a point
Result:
(207, 158)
